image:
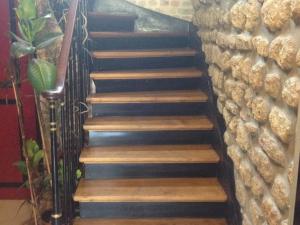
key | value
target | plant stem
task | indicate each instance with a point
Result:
(23, 140)
(43, 129)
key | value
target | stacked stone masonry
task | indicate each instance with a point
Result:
(181, 9)
(253, 51)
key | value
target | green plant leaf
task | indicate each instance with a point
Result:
(20, 49)
(27, 9)
(37, 158)
(31, 148)
(42, 74)
(78, 174)
(46, 40)
(38, 25)
(36, 148)
(25, 28)
(23, 35)
(21, 165)
(17, 38)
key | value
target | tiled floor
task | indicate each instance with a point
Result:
(9, 214)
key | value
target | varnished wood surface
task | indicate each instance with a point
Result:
(148, 123)
(148, 74)
(63, 60)
(179, 96)
(150, 154)
(109, 16)
(152, 221)
(151, 53)
(151, 190)
(137, 34)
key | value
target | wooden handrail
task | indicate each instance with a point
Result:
(63, 59)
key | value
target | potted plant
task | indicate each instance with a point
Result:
(31, 38)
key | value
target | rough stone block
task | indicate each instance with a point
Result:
(246, 172)
(276, 13)
(271, 211)
(283, 50)
(261, 45)
(272, 147)
(281, 191)
(257, 186)
(256, 214)
(273, 84)
(291, 91)
(262, 163)
(258, 72)
(282, 123)
(261, 107)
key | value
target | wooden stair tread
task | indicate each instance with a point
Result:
(148, 74)
(137, 34)
(152, 221)
(144, 53)
(180, 96)
(151, 190)
(148, 123)
(112, 16)
(149, 154)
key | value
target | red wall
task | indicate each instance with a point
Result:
(10, 149)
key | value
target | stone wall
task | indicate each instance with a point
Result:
(252, 48)
(181, 9)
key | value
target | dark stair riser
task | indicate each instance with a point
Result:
(149, 85)
(110, 171)
(142, 210)
(142, 63)
(125, 25)
(139, 138)
(138, 43)
(148, 109)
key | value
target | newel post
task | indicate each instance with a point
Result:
(56, 216)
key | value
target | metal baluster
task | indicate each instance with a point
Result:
(56, 214)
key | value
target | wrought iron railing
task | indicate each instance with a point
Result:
(66, 107)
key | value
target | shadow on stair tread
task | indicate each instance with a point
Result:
(153, 221)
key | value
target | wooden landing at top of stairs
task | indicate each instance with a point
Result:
(152, 221)
(148, 123)
(151, 190)
(145, 53)
(147, 74)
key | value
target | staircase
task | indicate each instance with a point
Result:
(150, 155)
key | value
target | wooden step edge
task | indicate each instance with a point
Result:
(152, 221)
(151, 53)
(148, 97)
(148, 74)
(112, 16)
(140, 34)
(148, 123)
(150, 154)
(151, 190)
